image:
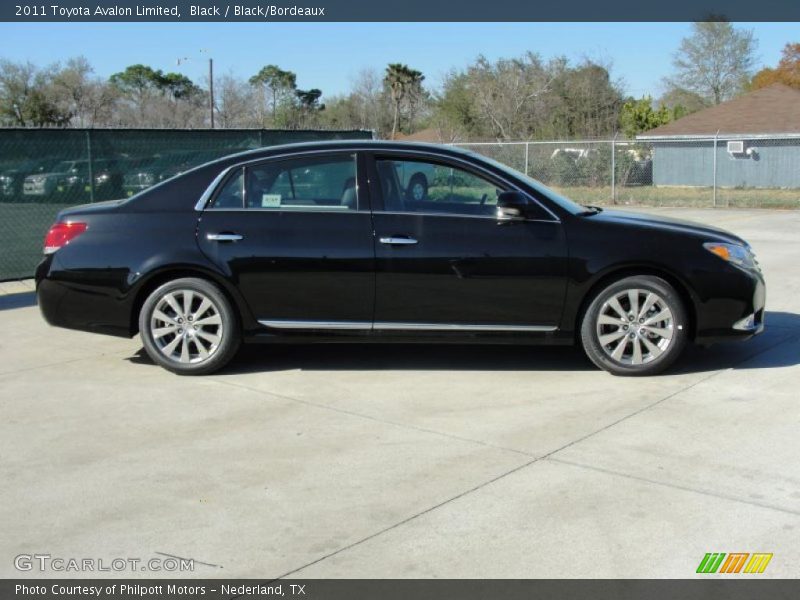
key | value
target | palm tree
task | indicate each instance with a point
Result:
(401, 81)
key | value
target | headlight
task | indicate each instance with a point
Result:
(732, 253)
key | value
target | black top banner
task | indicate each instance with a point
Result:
(401, 11)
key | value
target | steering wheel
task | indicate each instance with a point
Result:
(483, 200)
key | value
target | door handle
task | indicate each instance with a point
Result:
(224, 237)
(398, 241)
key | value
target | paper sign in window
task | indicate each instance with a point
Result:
(270, 200)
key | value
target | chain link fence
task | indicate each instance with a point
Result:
(45, 170)
(42, 171)
(721, 171)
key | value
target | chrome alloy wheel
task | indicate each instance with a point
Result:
(186, 326)
(635, 326)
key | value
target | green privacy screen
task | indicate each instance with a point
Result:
(45, 170)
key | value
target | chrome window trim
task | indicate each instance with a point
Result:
(206, 196)
(399, 326)
(293, 210)
(209, 192)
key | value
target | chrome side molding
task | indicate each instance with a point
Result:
(399, 326)
(290, 324)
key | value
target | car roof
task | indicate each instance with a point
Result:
(301, 147)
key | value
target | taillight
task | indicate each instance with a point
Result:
(61, 234)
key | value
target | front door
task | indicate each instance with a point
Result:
(445, 262)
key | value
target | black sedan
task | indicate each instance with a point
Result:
(323, 242)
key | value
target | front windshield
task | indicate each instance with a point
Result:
(569, 205)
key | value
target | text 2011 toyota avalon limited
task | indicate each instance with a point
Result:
(327, 242)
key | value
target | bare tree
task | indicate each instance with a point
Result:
(237, 103)
(715, 61)
(509, 92)
(26, 96)
(89, 101)
(368, 96)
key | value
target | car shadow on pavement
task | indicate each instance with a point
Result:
(773, 348)
(769, 350)
(254, 358)
(23, 300)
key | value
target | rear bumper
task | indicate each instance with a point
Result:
(79, 306)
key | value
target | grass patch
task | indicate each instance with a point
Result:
(690, 197)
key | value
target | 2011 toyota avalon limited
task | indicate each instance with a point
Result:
(330, 242)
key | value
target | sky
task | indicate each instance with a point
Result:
(328, 56)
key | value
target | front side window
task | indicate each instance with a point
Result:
(419, 186)
(327, 183)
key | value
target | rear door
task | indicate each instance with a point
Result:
(295, 236)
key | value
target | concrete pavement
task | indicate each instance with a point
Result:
(408, 461)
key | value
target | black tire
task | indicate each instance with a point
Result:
(659, 342)
(196, 329)
(417, 188)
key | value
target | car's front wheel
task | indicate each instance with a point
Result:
(188, 327)
(635, 326)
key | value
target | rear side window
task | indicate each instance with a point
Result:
(232, 193)
(305, 184)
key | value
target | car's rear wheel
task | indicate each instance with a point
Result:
(189, 327)
(635, 326)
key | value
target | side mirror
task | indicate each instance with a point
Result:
(511, 206)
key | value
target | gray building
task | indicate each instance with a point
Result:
(750, 141)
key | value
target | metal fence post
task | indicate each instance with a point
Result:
(527, 146)
(614, 170)
(91, 166)
(714, 179)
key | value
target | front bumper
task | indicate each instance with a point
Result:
(752, 323)
(35, 188)
(738, 314)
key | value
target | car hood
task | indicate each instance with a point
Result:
(666, 224)
(48, 175)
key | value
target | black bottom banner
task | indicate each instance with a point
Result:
(400, 589)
